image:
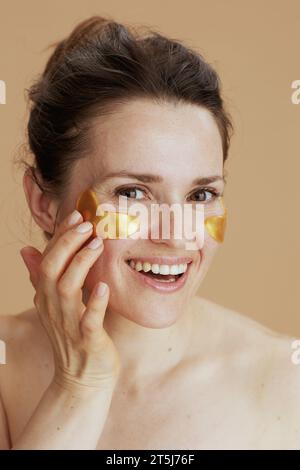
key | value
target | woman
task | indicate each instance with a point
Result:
(106, 359)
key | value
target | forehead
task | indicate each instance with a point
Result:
(179, 140)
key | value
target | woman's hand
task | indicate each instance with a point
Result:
(84, 355)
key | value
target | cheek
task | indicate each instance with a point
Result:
(107, 268)
(207, 254)
(210, 247)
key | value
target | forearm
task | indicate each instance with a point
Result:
(65, 419)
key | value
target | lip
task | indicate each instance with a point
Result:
(157, 285)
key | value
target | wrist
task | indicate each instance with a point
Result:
(65, 386)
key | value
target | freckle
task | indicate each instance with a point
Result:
(170, 349)
(278, 418)
(188, 415)
(58, 428)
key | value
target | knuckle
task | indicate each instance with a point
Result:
(89, 327)
(65, 287)
(66, 240)
(47, 269)
(91, 321)
(82, 257)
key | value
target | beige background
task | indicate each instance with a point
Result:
(254, 47)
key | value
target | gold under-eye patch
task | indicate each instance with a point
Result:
(121, 225)
(216, 224)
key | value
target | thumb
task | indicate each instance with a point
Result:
(32, 258)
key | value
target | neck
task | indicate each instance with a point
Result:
(148, 354)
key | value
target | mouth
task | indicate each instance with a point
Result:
(162, 277)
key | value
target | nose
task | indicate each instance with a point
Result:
(167, 228)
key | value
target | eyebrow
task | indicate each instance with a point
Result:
(149, 178)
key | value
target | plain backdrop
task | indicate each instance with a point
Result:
(254, 46)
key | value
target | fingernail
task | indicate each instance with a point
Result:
(84, 227)
(101, 289)
(74, 218)
(95, 243)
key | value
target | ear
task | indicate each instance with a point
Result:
(43, 208)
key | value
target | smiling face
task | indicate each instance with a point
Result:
(173, 146)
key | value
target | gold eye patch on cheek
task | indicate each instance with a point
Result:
(216, 224)
(112, 225)
(115, 225)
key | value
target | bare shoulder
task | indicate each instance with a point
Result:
(19, 328)
(252, 341)
(24, 340)
(241, 331)
(266, 361)
(28, 368)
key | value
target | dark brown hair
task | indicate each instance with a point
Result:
(101, 64)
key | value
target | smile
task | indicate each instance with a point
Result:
(161, 273)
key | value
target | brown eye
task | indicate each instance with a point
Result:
(131, 192)
(200, 195)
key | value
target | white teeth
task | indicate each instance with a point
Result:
(174, 269)
(138, 266)
(163, 269)
(146, 267)
(155, 268)
(182, 268)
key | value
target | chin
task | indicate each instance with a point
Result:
(151, 313)
(151, 319)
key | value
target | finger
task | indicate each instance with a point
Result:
(32, 259)
(73, 219)
(73, 278)
(57, 259)
(92, 320)
(71, 282)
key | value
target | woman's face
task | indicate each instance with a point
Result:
(176, 145)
